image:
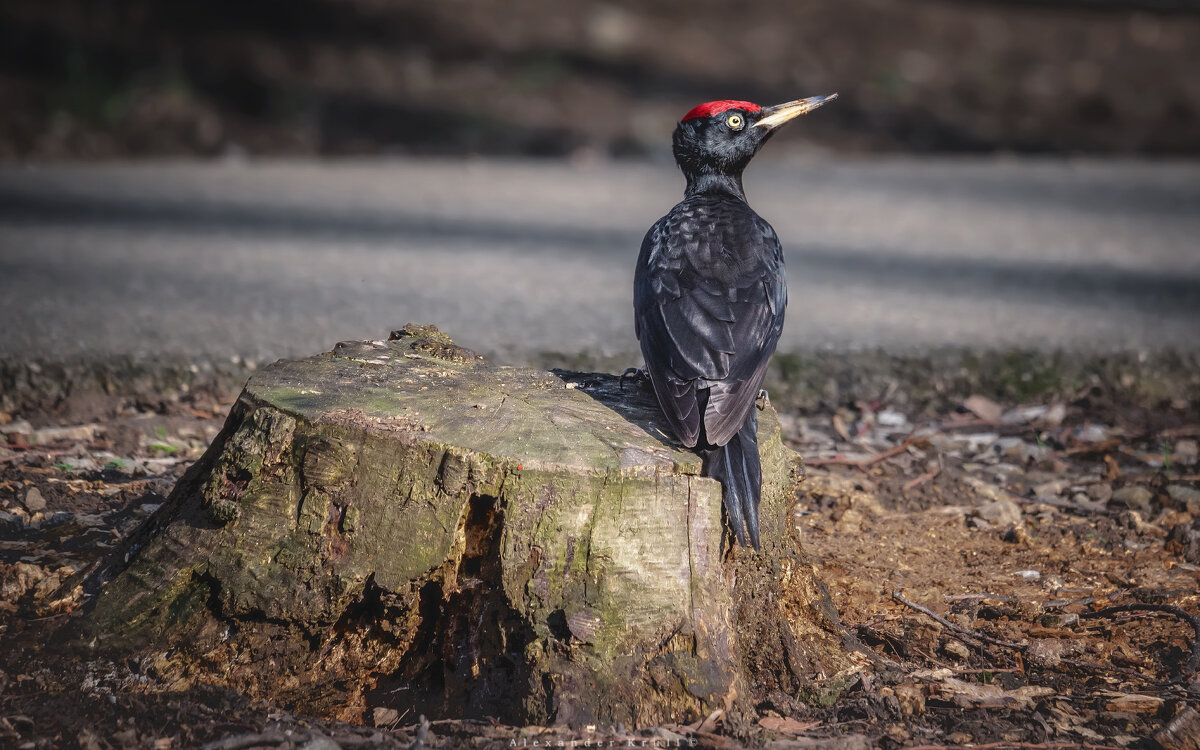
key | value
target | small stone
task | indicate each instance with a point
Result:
(956, 649)
(1133, 496)
(1086, 503)
(1024, 414)
(75, 434)
(80, 464)
(1051, 489)
(850, 522)
(1185, 497)
(19, 427)
(1101, 492)
(1000, 512)
(33, 501)
(986, 490)
(978, 523)
(1187, 452)
(1015, 448)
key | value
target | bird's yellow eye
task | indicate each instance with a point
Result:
(735, 121)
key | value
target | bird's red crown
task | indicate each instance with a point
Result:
(708, 109)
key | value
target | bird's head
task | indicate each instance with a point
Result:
(720, 138)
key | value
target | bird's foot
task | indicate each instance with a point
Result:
(635, 373)
(762, 400)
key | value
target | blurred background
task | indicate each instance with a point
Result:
(217, 179)
(81, 79)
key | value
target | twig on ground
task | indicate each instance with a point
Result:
(978, 639)
(1054, 502)
(914, 483)
(977, 597)
(1193, 664)
(24, 452)
(975, 635)
(50, 617)
(1097, 667)
(865, 462)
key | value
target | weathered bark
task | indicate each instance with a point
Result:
(400, 524)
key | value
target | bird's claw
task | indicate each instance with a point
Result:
(763, 399)
(636, 373)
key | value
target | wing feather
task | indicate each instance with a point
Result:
(708, 314)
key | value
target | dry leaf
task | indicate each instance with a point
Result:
(385, 716)
(984, 408)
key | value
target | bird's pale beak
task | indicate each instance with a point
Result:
(775, 116)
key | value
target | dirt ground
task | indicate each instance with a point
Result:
(1022, 574)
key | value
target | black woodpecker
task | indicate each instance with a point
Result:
(709, 295)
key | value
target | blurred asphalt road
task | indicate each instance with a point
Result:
(262, 260)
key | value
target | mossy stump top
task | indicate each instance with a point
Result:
(400, 524)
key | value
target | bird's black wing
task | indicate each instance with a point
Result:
(709, 299)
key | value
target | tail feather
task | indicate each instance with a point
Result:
(737, 467)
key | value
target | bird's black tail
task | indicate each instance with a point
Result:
(737, 467)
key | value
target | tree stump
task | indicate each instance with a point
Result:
(400, 524)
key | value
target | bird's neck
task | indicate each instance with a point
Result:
(699, 184)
